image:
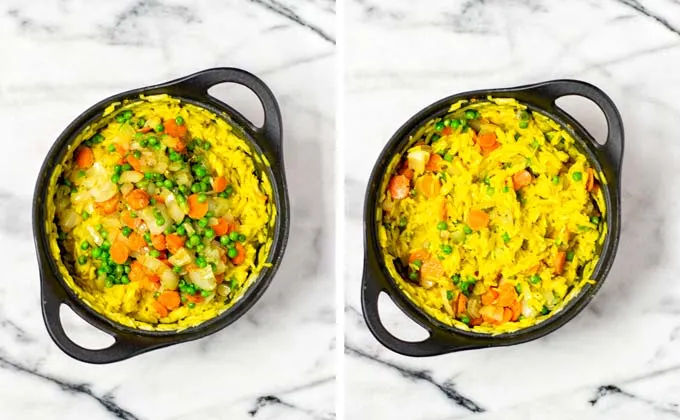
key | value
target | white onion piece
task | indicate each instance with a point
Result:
(150, 220)
(174, 210)
(203, 278)
(126, 188)
(223, 290)
(96, 237)
(69, 219)
(527, 310)
(175, 166)
(181, 257)
(98, 183)
(417, 159)
(182, 178)
(169, 279)
(130, 176)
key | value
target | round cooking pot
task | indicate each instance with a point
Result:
(266, 140)
(442, 338)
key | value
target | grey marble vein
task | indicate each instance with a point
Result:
(282, 10)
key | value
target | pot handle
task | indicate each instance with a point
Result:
(271, 130)
(437, 343)
(613, 147)
(125, 345)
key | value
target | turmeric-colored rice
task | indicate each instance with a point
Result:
(491, 220)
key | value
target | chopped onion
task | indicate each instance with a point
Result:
(417, 159)
(69, 219)
(169, 279)
(181, 257)
(150, 220)
(174, 210)
(126, 188)
(175, 166)
(473, 306)
(96, 237)
(131, 176)
(223, 290)
(98, 183)
(203, 278)
(183, 178)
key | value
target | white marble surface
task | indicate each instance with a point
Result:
(61, 56)
(620, 358)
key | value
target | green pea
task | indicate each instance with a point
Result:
(544, 310)
(115, 178)
(209, 233)
(82, 260)
(181, 230)
(120, 118)
(435, 137)
(455, 124)
(170, 229)
(168, 183)
(490, 190)
(140, 123)
(229, 190)
(201, 172)
(126, 231)
(97, 138)
(97, 252)
(577, 176)
(106, 245)
(535, 279)
(455, 279)
(85, 215)
(556, 179)
(439, 126)
(205, 186)
(205, 293)
(196, 188)
(206, 145)
(153, 141)
(177, 269)
(155, 253)
(465, 319)
(149, 175)
(570, 255)
(232, 252)
(120, 270)
(160, 221)
(191, 305)
(202, 197)
(442, 225)
(203, 222)
(403, 221)
(117, 169)
(124, 279)
(506, 237)
(223, 194)
(224, 240)
(85, 245)
(233, 236)
(147, 237)
(195, 240)
(413, 276)
(201, 262)
(467, 229)
(111, 148)
(200, 248)
(159, 128)
(144, 142)
(523, 124)
(595, 220)
(108, 283)
(446, 249)
(448, 157)
(179, 120)
(506, 189)
(417, 264)
(127, 167)
(518, 288)
(127, 114)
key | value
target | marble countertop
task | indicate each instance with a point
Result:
(620, 358)
(58, 58)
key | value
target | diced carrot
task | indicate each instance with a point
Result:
(429, 185)
(194, 298)
(174, 242)
(478, 219)
(196, 208)
(590, 183)
(120, 149)
(145, 129)
(84, 157)
(447, 131)
(119, 252)
(461, 304)
(174, 130)
(219, 184)
(408, 173)
(419, 254)
(521, 179)
(516, 308)
(399, 187)
(129, 221)
(476, 321)
(162, 311)
(443, 212)
(158, 242)
(109, 206)
(507, 315)
(169, 299)
(219, 279)
(487, 140)
(153, 278)
(490, 296)
(560, 261)
(492, 314)
(506, 294)
(431, 269)
(137, 273)
(135, 242)
(220, 228)
(137, 199)
(434, 163)
(134, 162)
(241, 256)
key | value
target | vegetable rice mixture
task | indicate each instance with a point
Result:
(163, 219)
(492, 219)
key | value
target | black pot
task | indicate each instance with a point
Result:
(446, 339)
(266, 140)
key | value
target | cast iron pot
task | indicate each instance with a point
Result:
(442, 338)
(266, 140)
